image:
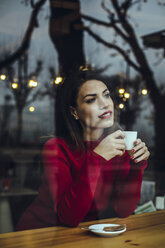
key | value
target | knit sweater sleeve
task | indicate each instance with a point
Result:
(128, 186)
(72, 196)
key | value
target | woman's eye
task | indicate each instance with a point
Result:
(90, 100)
(107, 95)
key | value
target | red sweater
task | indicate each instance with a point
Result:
(79, 186)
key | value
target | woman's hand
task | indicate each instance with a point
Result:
(139, 152)
(111, 146)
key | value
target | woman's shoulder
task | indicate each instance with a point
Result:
(58, 147)
(54, 142)
(55, 146)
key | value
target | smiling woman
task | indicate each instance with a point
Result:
(87, 172)
(94, 109)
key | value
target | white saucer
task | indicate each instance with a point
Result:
(98, 229)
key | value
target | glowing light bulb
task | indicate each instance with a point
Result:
(33, 83)
(127, 95)
(58, 80)
(121, 106)
(14, 85)
(144, 91)
(31, 109)
(2, 76)
(121, 91)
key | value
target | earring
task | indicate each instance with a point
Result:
(76, 117)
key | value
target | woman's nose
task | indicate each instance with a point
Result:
(103, 103)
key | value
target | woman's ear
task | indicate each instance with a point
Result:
(74, 112)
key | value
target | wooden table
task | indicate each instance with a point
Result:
(143, 230)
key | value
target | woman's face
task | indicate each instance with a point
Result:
(95, 109)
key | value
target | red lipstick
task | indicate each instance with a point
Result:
(106, 115)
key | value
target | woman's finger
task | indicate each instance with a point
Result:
(118, 134)
(140, 151)
(145, 156)
(119, 146)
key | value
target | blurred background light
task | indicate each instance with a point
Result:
(14, 85)
(58, 80)
(31, 109)
(32, 83)
(127, 95)
(2, 76)
(144, 91)
(121, 91)
(121, 106)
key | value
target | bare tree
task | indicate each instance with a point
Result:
(65, 33)
(24, 46)
(22, 91)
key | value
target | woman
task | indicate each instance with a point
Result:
(87, 172)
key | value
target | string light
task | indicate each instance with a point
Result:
(14, 85)
(144, 92)
(58, 80)
(121, 106)
(121, 91)
(127, 95)
(32, 83)
(31, 109)
(2, 76)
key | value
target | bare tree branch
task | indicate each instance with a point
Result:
(96, 21)
(113, 46)
(138, 52)
(125, 6)
(27, 37)
(107, 24)
(35, 96)
(110, 13)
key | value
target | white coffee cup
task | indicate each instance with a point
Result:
(130, 137)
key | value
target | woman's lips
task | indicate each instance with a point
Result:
(106, 115)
